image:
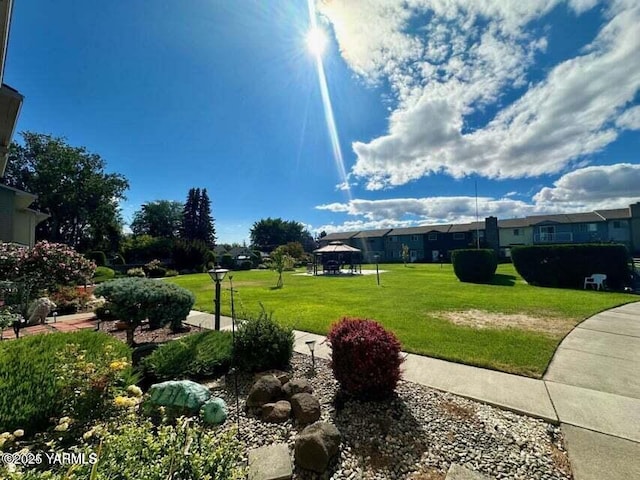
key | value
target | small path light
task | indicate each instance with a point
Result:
(55, 316)
(377, 259)
(217, 275)
(312, 347)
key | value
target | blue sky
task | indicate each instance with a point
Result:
(535, 102)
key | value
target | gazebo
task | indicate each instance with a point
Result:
(333, 256)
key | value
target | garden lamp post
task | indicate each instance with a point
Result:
(217, 275)
(312, 346)
(377, 258)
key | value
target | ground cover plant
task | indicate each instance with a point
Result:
(200, 355)
(427, 307)
(31, 384)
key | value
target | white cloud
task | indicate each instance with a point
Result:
(594, 187)
(586, 189)
(630, 119)
(462, 61)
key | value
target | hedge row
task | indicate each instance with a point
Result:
(566, 266)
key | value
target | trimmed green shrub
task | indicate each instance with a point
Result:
(200, 355)
(102, 274)
(155, 269)
(98, 257)
(245, 265)
(566, 266)
(262, 344)
(133, 300)
(365, 358)
(475, 266)
(29, 391)
(171, 273)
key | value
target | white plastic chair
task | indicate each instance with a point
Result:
(597, 279)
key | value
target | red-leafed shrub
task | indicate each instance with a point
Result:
(366, 358)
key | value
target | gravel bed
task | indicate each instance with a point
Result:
(416, 435)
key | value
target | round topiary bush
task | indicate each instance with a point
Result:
(475, 266)
(365, 359)
(262, 344)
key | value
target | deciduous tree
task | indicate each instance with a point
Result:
(72, 186)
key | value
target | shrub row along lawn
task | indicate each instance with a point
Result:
(420, 303)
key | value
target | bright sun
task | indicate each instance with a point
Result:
(316, 41)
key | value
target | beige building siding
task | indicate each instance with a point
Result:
(509, 238)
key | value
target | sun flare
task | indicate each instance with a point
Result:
(316, 41)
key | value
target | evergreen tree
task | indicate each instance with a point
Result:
(205, 231)
(197, 222)
(190, 215)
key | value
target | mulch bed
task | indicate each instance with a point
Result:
(145, 335)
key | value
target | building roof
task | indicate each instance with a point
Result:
(372, 233)
(514, 223)
(466, 227)
(412, 230)
(614, 213)
(338, 236)
(337, 247)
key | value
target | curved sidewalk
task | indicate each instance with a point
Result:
(592, 387)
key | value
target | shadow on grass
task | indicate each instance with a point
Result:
(503, 280)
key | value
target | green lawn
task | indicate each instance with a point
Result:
(412, 302)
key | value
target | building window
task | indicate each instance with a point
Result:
(617, 224)
(516, 232)
(458, 236)
(415, 238)
(593, 227)
(394, 238)
(432, 236)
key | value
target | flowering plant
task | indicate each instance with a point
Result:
(46, 265)
(89, 388)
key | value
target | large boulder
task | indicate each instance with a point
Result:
(214, 411)
(179, 393)
(284, 377)
(267, 389)
(306, 408)
(276, 412)
(296, 385)
(316, 445)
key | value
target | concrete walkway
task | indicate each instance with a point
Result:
(592, 387)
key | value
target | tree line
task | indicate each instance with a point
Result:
(82, 200)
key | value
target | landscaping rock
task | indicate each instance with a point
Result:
(284, 377)
(296, 385)
(306, 408)
(458, 472)
(214, 411)
(180, 393)
(271, 462)
(276, 412)
(266, 389)
(316, 445)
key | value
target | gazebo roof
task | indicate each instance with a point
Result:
(337, 247)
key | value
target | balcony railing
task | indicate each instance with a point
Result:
(561, 237)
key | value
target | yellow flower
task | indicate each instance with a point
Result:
(118, 365)
(64, 420)
(62, 427)
(134, 391)
(120, 401)
(88, 435)
(18, 433)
